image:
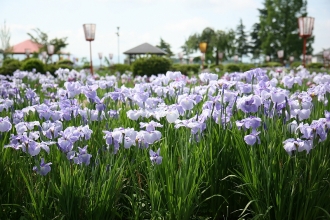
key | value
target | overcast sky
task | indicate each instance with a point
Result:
(140, 21)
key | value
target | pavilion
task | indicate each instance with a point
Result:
(26, 47)
(143, 49)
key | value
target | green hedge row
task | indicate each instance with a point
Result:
(10, 65)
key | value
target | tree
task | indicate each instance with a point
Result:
(241, 40)
(279, 28)
(5, 41)
(166, 47)
(224, 42)
(255, 43)
(42, 38)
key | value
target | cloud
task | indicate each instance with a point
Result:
(192, 24)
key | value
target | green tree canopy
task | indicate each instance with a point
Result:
(42, 38)
(241, 40)
(166, 47)
(279, 27)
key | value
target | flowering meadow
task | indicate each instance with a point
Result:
(245, 145)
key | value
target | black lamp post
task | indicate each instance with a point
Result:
(306, 25)
(89, 30)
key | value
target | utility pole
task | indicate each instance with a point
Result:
(118, 42)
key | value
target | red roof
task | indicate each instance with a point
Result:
(28, 44)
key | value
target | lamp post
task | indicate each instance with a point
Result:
(191, 60)
(235, 58)
(280, 55)
(220, 55)
(291, 58)
(50, 51)
(27, 52)
(306, 25)
(202, 48)
(267, 58)
(326, 53)
(110, 57)
(180, 55)
(89, 30)
(44, 56)
(100, 57)
(118, 42)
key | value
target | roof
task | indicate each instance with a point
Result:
(145, 49)
(321, 52)
(28, 44)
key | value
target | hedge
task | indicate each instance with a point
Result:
(185, 69)
(151, 66)
(33, 63)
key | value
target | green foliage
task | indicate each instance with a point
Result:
(271, 64)
(151, 66)
(122, 68)
(246, 66)
(65, 62)
(33, 63)
(241, 40)
(186, 69)
(51, 68)
(315, 65)
(279, 28)
(166, 47)
(295, 64)
(9, 66)
(231, 67)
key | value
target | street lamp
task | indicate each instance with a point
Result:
(118, 42)
(220, 55)
(180, 55)
(280, 55)
(326, 53)
(50, 51)
(27, 52)
(89, 30)
(267, 58)
(100, 57)
(110, 57)
(235, 58)
(191, 60)
(306, 25)
(202, 48)
(291, 58)
(44, 55)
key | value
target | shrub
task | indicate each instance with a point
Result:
(216, 68)
(151, 66)
(295, 64)
(246, 66)
(32, 63)
(65, 62)
(273, 64)
(185, 69)
(9, 66)
(51, 68)
(122, 68)
(315, 65)
(232, 68)
(64, 66)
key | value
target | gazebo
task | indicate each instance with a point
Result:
(143, 49)
(22, 47)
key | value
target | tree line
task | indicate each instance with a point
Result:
(276, 29)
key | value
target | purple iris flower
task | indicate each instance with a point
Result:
(43, 169)
(251, 122)
(252, 138)
(5, 124)
(18, 116)
(83, 156)
(249, 103)
(69, 136)
(150, 126)
(99, 104)
(155, 156)
(73, 88)
(6, 104)
(90, 91)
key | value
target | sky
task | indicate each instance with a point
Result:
(139, 21)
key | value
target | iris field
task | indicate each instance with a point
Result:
(246, 145)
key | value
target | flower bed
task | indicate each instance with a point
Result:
(245, 145)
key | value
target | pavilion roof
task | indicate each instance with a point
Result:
(28, 44)
(145, 48)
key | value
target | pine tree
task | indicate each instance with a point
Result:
(279, 28)
(166, 47)
(241, 40)
(255, 43)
